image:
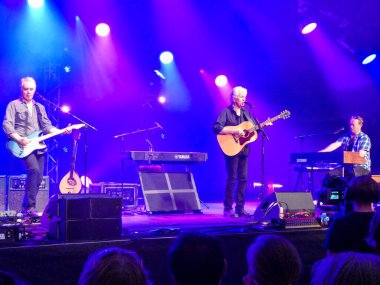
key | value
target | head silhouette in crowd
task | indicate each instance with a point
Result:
(361, 193)
(113, 266)
(197, 259)
(347, 268)
(272, 260)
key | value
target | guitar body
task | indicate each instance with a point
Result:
(70, 183)
(24, 151)
(36, 143)
(232, 145)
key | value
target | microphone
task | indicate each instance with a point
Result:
(249, 105)
(338, 131)
(159, 126)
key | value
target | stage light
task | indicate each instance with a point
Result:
(67, 69)
(36, 4)
(65, 109)
(162, 99)
(159, 74)
(102, 30)
(221, 81)
(86, 181)
(166, 57)
(308, 28)
(369, 58)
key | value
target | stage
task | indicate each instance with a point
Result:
(40, 260)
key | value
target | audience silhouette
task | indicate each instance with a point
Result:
(197, 259)
(272, 260)
(113, 266)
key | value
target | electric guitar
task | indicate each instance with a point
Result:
(233, 144)
(36, 143)
(71, 183)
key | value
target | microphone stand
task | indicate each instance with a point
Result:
(263, 136)
(87, 125)
(122, 147)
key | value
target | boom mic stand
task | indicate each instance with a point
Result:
(87, 125)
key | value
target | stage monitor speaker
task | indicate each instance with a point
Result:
(169, 191)
(16, 190)
(3, 192)
(84, 217)
(292, 204)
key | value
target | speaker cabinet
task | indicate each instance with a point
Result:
(169, 191)
(16, 190)
(276, 204)
(84, 217)
(3, 192)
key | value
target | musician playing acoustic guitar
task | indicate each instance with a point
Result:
(236, 165)
(24, 117)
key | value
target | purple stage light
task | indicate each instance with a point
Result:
(102, 30)
(308, 28)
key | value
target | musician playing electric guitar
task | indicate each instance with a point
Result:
(24, 117)
(237, 165)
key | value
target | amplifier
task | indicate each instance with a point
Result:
(16, 188)
(18, 183)
(3, 192)
(127, 191)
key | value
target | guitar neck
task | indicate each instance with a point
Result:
(48, 136)
(271, 120)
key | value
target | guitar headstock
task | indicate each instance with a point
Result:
(284, 114)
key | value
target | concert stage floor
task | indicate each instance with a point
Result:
(42, 261)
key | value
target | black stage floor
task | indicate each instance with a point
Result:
(43, 261)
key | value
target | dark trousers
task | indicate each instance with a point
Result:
(237, 168)
(34, 164)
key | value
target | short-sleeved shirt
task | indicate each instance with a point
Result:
(18, 118)
(228, 117)
(360, 142)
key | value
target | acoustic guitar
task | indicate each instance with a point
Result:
(71, 183)
(37, 142)
(233, 144)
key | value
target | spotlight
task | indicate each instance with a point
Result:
(65, 109)
(166, 57)
(67, 69)
(102, 30)
(369, 58)
(221, 81)
(308, 28)
(36, 4)
(162, 99)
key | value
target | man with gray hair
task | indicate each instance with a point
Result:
(237, 165)
(23, 117)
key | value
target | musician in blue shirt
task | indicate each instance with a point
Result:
(23, 117)
(356, 141)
